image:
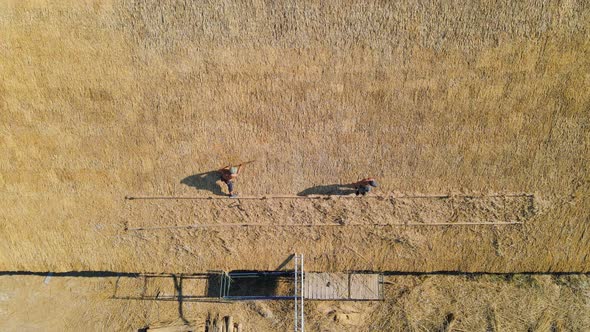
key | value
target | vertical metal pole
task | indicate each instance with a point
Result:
(302, 295)
(221, 285)
(295, 294)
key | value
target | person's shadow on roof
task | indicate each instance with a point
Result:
(205, 181)
(330, 189)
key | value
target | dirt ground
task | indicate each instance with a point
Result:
(486, 104)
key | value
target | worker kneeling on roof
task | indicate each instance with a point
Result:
(364, 186)
(228, 175)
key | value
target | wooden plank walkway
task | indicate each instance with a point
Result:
(342, 286)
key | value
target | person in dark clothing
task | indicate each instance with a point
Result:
(228, 175)
(364, 186)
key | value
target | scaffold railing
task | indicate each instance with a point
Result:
(298, 293)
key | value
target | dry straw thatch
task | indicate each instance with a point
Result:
(99, 100)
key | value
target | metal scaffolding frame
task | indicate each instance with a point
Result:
(226, 279)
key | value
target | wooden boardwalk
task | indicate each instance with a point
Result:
(342, 286)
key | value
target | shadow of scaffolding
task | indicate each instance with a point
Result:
(203, 287)
(213, 286)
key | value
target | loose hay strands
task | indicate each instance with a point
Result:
(325, 197)
(323, 225)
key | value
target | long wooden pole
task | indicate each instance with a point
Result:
(322, 197)
(326, 225)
